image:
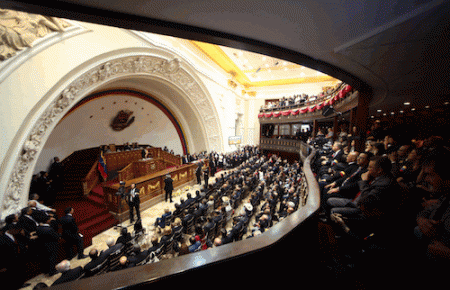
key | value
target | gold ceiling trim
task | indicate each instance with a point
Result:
(218, 56)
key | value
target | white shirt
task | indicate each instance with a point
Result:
(133, 193)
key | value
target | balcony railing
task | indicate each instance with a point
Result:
(284, 145)
(308, 113)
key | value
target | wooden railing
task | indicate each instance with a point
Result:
(116, 161)
(285, 145)
(91, 179)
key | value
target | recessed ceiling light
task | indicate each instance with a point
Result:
(406, 103)
(401, 111)
(392, 113)
(413, 109)
(384, 114)
(372, 117)
(378, 111)
(446, 103)
(427, 107)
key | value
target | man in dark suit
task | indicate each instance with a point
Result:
(67, 273)
(70, 234)
(48, 240)
(375, 187)
(134, 202)
(138, 256)
(206, 175)
(198, 173)
(11, 263)
(26, 222)
(168, 187)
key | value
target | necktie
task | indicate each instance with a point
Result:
(351, 176)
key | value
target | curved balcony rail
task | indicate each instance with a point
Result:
(216, 264)
(313, 100)
(343, 101)
(285, 145)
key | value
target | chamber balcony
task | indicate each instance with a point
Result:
(341, 100)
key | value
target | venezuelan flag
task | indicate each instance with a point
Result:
(102, 166)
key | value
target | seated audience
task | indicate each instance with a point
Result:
(67, 273)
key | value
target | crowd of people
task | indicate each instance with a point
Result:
(390, 200)
(242, 202)
(252, 193)
(298, 100)
(33, 238)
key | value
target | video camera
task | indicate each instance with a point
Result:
(121, 191)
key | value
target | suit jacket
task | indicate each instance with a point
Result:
(69, 227)
(380, 193)
(9, 251)
(69, 275)
(27, 224)
(348, 171)
(39, 215)
(348, 188)
(48, 238)
(133, 260)
(136, 199)
(168, 184)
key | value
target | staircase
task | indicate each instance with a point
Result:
(91, 214)
(76, 167)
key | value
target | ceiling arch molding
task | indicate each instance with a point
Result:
(82, 81)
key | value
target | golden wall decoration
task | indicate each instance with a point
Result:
(153, 187)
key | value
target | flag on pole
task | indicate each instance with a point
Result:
(102, 166)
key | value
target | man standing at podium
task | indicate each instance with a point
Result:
(168, 187)
(134, 202)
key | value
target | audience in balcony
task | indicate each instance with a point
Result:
(300, 99)
(380, 206)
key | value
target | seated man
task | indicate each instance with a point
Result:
(137, 256)
(112, 247)
(67, 273)
(95, 260)
(195, 244)
(376, 186)
(346, 187)
(125, 237)
(161, 222)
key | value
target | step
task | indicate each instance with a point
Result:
(97, 200)
(98, 221)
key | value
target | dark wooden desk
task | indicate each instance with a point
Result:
(151, 187)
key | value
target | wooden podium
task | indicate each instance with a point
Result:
(151, 186)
